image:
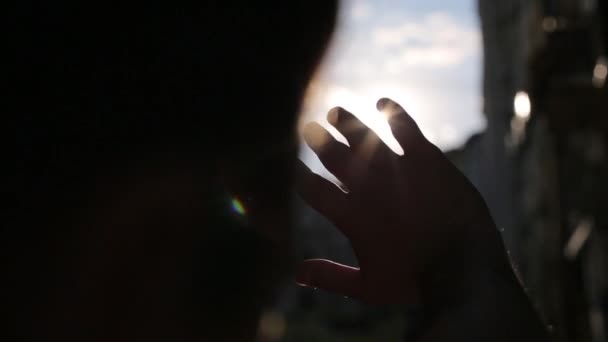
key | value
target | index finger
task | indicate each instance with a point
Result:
(404, 128)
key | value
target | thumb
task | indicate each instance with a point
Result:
(330, 276)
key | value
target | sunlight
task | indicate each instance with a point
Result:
(363, 105)
(322, 97)
(427, 62)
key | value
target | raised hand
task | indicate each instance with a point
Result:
(419, 229)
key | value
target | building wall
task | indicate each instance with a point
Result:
(542, 190)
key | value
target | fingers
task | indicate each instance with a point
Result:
(318, 192)
(334, 155)
(330, 276)
(362, 140)
(355, 131)
(402, 125)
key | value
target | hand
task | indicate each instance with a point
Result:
(419, 229)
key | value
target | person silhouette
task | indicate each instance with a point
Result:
(150, 179)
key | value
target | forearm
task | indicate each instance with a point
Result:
(496, 309)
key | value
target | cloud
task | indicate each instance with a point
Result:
(436, 40)
(360, 11)
(429, 63)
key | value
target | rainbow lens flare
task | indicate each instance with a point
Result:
(238, 206)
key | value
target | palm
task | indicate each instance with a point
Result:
(401, 213)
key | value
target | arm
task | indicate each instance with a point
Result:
(494, 307)
(421, 232)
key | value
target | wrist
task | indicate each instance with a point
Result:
(466, 270)
(494, 308)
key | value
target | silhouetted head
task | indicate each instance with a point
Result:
(150, 183)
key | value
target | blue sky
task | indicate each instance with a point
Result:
(424, 54)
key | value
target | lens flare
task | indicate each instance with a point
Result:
(238, 206)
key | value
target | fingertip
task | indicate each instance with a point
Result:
(333, 116)
(404, 127)
(389, 107)
(315, 135)
(313, 125)
(382, 103)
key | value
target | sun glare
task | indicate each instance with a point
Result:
(322, 97)
(363, 105)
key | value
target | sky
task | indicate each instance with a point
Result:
(426, 55)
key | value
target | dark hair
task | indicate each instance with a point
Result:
(96, 88)
(116, 76)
